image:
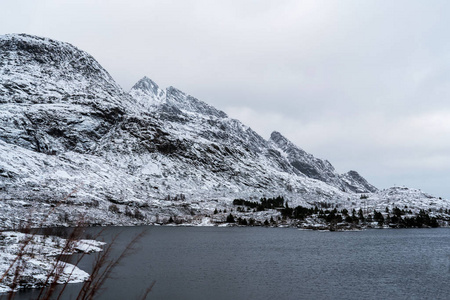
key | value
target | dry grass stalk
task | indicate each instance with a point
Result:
(102, 268)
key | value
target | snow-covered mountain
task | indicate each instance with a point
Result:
(71, 138)
(319, 169)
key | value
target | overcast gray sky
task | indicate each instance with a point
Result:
(364, 84)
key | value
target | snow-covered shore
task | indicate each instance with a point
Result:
(29, 261)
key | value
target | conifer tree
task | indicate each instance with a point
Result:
(230, 218)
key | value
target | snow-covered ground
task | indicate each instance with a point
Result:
(29, 261)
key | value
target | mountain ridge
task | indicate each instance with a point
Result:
(66, 125)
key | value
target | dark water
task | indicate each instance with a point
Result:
(277, 263)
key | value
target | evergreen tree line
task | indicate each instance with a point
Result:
(263, 204)
(245, 222)
(396, 218)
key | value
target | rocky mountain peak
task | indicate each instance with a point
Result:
(44, 52)
(55, 97)
(149, 87)
(304, 162)
(146, 85)
(319, 169)
(191, 104)
(282, 142)
(147, 93)
(359, 184)
(287, 146)
(277, 137)
(41, 70)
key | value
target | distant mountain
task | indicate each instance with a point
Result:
(71, 138)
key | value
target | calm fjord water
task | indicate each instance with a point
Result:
(278, 263)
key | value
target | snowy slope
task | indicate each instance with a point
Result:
(73, 143)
